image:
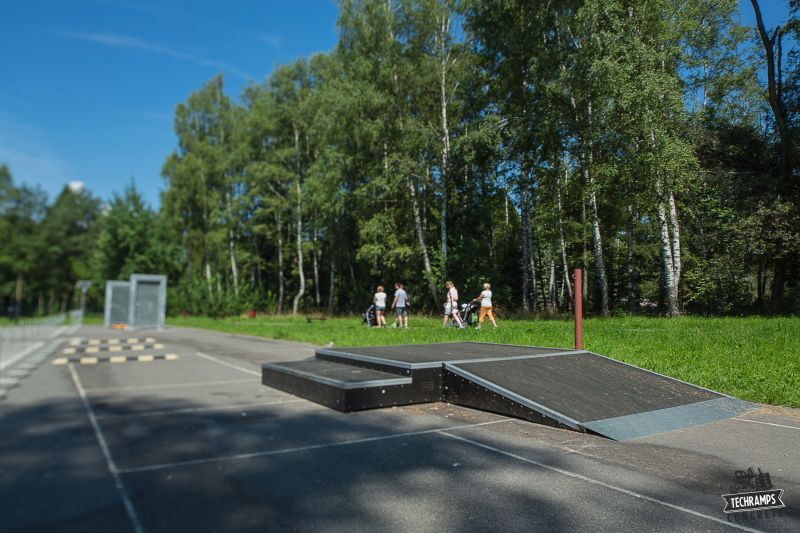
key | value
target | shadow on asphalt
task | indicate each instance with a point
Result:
(53, 476)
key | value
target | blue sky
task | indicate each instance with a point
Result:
(88, 87)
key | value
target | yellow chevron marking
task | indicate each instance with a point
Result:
(60, 361)
(115, 348)
(117, 359)
(88, 360)
(171, 357)
(137, 347)
(145, 358)
(69, 351)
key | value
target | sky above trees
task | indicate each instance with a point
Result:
(89, 87)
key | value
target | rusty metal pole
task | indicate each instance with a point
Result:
(578, 309)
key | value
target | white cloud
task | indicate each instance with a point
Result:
(75, 186)
(122, 41)
(272, 40)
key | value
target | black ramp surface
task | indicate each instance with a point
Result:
(437, 353)
(585, 390)
(335, 373)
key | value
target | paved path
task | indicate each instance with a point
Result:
(181, 436)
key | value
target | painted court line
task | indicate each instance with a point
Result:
(172, 385)
(243, 456)
(229, 365)
(598, 482)
(112, 467)
(191, 410)
(766, 423)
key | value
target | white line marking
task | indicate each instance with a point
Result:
(137, 526)
(766, 423)
(597, 482)
(198, 409)
(239, 457)
(229, 365)
(172, 385)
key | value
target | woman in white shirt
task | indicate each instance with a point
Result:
(451, 305)
(486, 305)
(379, 301)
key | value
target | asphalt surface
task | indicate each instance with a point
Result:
(191, 441)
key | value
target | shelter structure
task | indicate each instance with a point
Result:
(138, 303)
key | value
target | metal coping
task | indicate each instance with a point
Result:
(567, 421)
(335, 382)
(646, 423)
(438, 364)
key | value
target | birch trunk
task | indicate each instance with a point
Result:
(597, 249)
(562, 242)
(630, 288)
(676, 241)
(551, 283)
(444, 54)
(315, 260)
(281, 281)
(332, 284)
(421, 237)
(234, 266)
(526, 247)
(208, 280)
(667, 261)
(299, 230)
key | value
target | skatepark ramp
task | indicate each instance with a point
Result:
(572, 389)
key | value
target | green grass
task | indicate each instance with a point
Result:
(754, 358)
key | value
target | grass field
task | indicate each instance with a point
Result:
(754, 358)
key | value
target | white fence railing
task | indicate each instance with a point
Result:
(22, 337)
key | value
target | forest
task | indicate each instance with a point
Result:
(651, 143)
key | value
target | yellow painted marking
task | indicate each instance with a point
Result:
(92, 349)
(69, 351)
(94, 342)
(133, 341)
(88, 360)
(118, 359)
(60, 361)
(171, 357)
(113, 341)
(75, 342)
(137, 347)
(149, 339)
(145, 358)
(115, 348)
(158, 346)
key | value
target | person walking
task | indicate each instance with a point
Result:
(485, 298)
(400, 304)
(379, 301)
(451, 305)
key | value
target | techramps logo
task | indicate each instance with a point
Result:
(752, 496)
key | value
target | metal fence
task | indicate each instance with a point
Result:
(22, 337)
